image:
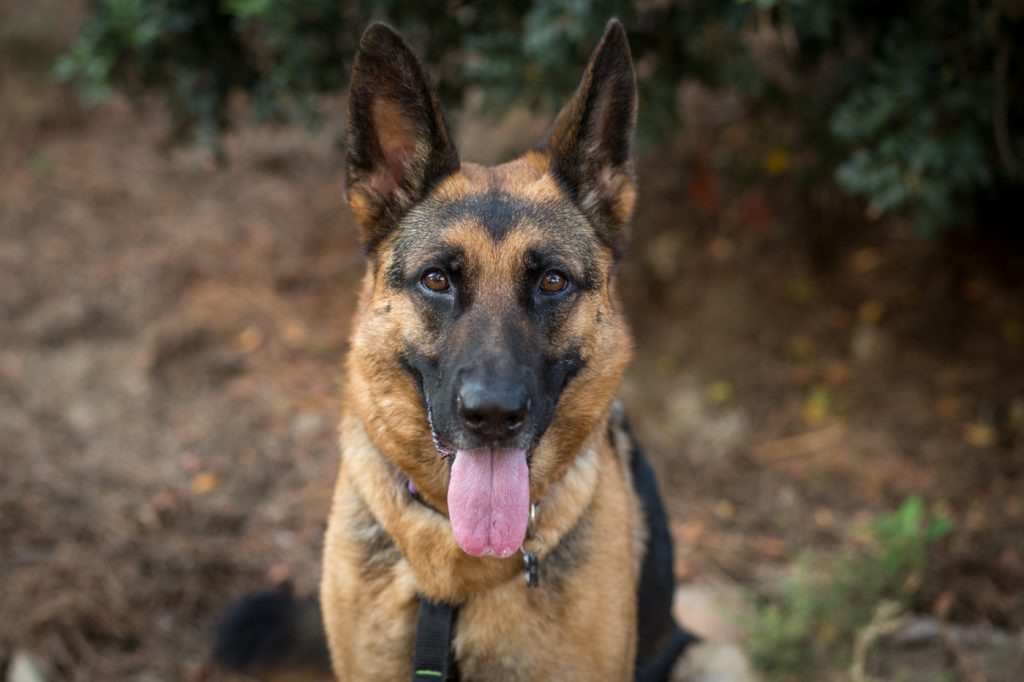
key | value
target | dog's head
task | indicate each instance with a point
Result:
(489, 341)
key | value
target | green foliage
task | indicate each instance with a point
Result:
(812, 621)
(914, 106)
(917, 135)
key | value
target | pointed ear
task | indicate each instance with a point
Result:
(590, 147)
(398, 141)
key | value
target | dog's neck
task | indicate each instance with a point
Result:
(423, 535)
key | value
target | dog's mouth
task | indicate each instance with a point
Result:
(488, 496)
(443, 447)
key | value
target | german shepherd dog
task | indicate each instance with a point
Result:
(486, 471)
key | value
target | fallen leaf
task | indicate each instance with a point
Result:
(818, 405)
(294, 333)
(871, 311)
(1013, 332)
(190, 462)
(949, 406)
(975, 289)
(801, 289)
(864, 534)
(250, 339)
(719, 392)
(1010, 561)
(828, 632)
(865, 260)
(1013, 507)
(776, 162)
(1016, 416)
(977, 518)
(689, 532)
(204, 482)
(666, 362)
(912, 583)
(837, 372)
(722, 249)
(944, 603)
(279, 574)
(980, 435)
(801, 347)
(824, 518)
(724, 509)
(771, 547)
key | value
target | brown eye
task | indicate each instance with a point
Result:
(553, 281)
(435, 280)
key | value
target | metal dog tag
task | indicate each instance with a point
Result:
(532, 574)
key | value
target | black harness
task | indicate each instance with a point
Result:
(433, 659)
(660, 641)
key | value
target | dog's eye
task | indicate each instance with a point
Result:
(435, 280)
(553, 282)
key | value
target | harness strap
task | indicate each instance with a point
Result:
(433, 659)
(657, 667)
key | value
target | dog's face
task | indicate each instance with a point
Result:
(489, 342)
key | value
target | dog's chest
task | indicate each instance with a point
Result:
(514, 633)
(578, 624)
(567, 629)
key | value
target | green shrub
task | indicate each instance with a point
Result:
(914, 106)
(811, 622)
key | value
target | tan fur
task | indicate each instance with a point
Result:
(506, 631)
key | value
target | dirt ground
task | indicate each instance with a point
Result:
(171, 344)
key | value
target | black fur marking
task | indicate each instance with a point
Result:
(379, 551)
(498, 212)
(564, 369)
(556, 568)
(568, 238)
(406, 363)
(552, 313)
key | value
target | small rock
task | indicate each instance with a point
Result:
(714, 662)
(868, 344)
(24, 668)
(713, 433)
(309, 425)
(711, 612)
(68, 319)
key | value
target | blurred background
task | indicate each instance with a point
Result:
(825, 283)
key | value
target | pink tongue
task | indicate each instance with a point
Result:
(489, 500)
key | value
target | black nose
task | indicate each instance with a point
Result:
(493, 410)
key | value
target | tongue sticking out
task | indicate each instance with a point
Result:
(489, 500)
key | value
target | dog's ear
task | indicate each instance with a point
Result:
(398, 141)
(590, 144)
